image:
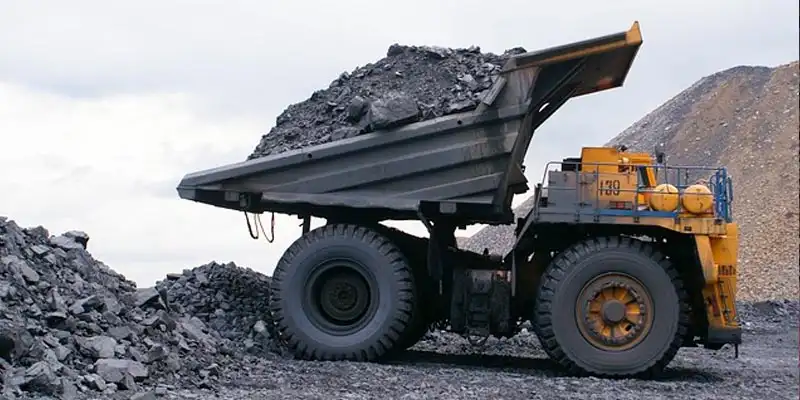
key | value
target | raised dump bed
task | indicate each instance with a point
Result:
(467, 165)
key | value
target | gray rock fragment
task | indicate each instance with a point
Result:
(39, 249)
(145, 396)
(194, 330)
(98, 346)
(15, 342)
(356, 109)
(436, 51)
(68, 390)
(120, 332)
(41, 378)
(114, 370)
(57, 302)
(111, 305)
(66, 243)
(20, 268)
(345, 132)
(86, 304)
(156, 353)
(95, 381)
(459, 106)
(62, 352)
(391, 110)
(260, 327)
(6, 290)
(128, 382)
(80, 237)
(146, 296)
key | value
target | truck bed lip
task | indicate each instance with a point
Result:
(358, 143)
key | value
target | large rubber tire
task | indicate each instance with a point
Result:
(415, 251)
(557, 322)
(300, 315)
(417, 326)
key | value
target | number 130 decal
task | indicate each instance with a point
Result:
(610, 187)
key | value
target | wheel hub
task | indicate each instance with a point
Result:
(614, 312)
(341, 296)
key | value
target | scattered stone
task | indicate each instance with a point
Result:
(66, 243)
(98, 346)
(145, 296)
(95, 381)
(114, 370)
(41, 378)
(78, 237)
(145, 396)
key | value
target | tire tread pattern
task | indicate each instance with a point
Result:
(568, 259)
(401, 272)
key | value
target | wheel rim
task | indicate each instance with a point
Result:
(614, 312)
(338, 297)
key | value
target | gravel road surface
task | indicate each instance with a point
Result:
(445, 367)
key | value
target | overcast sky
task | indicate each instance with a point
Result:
(104, 105)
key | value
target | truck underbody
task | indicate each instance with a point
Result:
(591, 283)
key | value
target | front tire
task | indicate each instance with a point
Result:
(342, 292)
(612, 307)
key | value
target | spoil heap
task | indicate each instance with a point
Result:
(229, 299)
(410, 84)
(70, 324)
(744, 118)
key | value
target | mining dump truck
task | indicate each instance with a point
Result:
(620, 262)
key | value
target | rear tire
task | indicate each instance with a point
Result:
(415, 250)
(342, 292)
(415, 332)
(611, 307)
(417, 324)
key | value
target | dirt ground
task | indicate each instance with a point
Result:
(445, 366)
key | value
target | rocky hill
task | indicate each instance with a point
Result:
(745, 118)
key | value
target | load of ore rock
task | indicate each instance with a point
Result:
(412, 83)
(70, 324)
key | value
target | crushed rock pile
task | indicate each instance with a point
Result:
(746, 119)
(412, 83)
(229, 299)
(69, 324)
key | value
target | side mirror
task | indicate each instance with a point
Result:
(660, 155)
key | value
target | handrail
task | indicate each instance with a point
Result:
(719, 183)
